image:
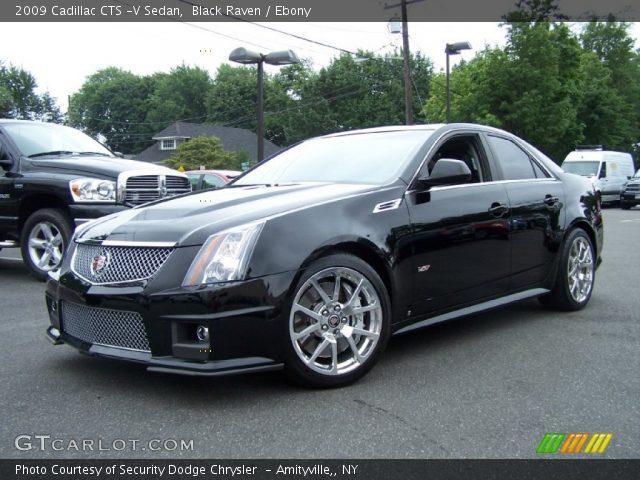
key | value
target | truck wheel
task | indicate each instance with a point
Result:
(625, 206)
(45, 237)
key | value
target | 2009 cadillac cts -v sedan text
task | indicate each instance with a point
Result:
(312, 259)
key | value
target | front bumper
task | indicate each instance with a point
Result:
(244, 321)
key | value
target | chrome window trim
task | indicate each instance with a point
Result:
(493, 182)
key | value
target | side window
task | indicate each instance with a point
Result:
(211, 181)
(603, 170)
(465, 148)
(515, 162)
(194, 179)
(539, 172)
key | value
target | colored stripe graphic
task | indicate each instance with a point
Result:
(598, 443)
(572, 443)
(551, 442)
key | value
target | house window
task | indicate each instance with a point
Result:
(168, 144)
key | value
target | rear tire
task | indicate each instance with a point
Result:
(576, 274)
(338, 323)
(45, 237)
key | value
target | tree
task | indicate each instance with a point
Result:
(179, 95)
(205, 151)
(612, 85)
(369, 90)
(18, 97)
(114, 103)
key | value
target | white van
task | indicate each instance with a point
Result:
(608, 171)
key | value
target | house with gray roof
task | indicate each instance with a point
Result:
(234, 139)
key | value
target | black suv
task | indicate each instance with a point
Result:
(54, 178)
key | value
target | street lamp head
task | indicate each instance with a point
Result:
(395, 25)
(244, 56)
(455, 48)
(283, 57)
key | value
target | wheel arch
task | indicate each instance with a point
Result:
(365, 251)
(36, 202)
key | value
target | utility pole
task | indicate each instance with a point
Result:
(408, 91)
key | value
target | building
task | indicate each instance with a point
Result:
(234, 139)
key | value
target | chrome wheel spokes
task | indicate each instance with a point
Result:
(46, 246)
(580, 270)
(335, 321)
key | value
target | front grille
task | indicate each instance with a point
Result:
(100, 264)
(113, 328)
(146, 188)
(632, 188)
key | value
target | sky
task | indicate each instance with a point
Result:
(62, 55)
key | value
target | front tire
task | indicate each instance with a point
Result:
(338, 324)
(45, 237)
(576, 274)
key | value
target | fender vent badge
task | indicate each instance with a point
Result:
(389, 205)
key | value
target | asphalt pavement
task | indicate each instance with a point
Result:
(488, 386)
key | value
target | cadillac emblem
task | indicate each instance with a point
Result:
(98, 263)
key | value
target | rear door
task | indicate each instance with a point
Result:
(536, 200)
(460, 233)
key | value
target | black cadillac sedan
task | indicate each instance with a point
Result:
(314, 258)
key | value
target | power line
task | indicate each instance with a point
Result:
(299, 37)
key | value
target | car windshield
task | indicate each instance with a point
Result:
(586, 169)
(368, 158)
(33, 139)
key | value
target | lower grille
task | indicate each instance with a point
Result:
(113, 328)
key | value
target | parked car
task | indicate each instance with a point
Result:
(609, 171)
(315, 257)
(54, 178)
(204, 179)
(630, 195)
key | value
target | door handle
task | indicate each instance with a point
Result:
(498, 209)
(550, 200)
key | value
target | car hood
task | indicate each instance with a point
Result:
(109, 167)
(191, 219)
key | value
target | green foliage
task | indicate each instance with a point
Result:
(550, 85)
(208, 152)
(180, 95)
(18, 97)
(114, 103)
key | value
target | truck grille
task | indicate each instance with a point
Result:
(632, 188)
(101, 265)
(113, 328)
(146, 188)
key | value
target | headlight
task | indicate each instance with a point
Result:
(224, 256)
(93, 190)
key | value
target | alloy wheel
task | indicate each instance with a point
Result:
(580, 269)
(336, 321)
(46, 246)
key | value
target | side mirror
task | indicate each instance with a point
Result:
(446, 171)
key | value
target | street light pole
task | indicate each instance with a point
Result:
(452, 49)
(408, 94)
(260, 111)
(246, 57)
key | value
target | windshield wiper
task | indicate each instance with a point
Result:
(102, 154)
(55, 152)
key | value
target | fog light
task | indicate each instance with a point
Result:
(202, 333)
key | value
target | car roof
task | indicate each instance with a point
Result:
(420, 127)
